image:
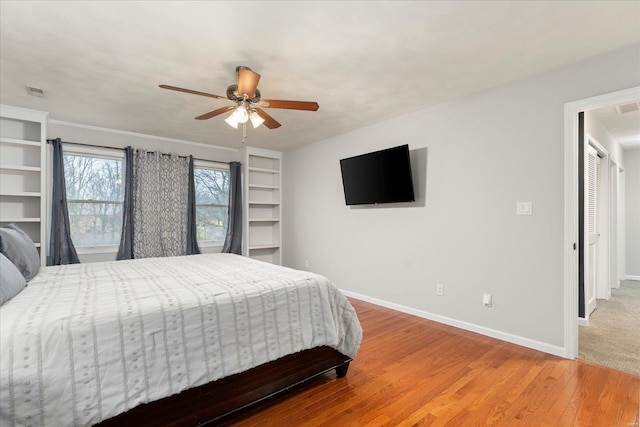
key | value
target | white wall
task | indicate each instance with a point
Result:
(118, 139)
(485, 152)
(632, 213)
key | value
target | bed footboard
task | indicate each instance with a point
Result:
(215, 400)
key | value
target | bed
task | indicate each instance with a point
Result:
(186, 339)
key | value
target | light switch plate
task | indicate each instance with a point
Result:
(486, 300)
(524, 208)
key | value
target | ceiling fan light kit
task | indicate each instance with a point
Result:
(231, 121)
(247, 98)
(256, 120)
(239, 115)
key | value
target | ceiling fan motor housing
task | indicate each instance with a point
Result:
(232, 94)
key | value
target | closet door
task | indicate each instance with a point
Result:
(592, 236)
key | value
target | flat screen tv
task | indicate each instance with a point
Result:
(380, 177)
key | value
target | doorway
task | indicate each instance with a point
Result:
(571, 217)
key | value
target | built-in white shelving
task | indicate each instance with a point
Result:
(22, 172)
(263, 199)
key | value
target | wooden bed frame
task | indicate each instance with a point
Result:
(214, 401)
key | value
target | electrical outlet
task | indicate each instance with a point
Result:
(306, 263)
(440, 289)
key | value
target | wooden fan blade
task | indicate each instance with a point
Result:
(215, 112)
(194, 92)
(247, 82)
(269, 121)
(289, 105)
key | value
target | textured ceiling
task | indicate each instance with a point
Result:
(100, 63)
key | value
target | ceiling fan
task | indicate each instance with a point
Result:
(246, 100)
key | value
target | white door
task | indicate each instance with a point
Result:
(592, 236)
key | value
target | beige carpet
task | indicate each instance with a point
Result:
(613, 336)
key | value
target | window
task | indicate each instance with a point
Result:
(212, 201)
(94, 197)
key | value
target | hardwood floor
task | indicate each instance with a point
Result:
(414, 372)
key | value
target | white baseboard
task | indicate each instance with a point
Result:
(583, 322)
(631, 277)
(504, 336)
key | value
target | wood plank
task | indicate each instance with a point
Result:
(414, 372)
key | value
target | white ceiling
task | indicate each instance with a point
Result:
(100, 63)
(625, 127)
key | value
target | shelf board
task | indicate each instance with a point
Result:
(16, 219)
(263, 220)
(268, 187)
(20, 142)
(263, 170)
(265, 246)
(21, 193)
(264, 156)
(264, 203)
(21, 168)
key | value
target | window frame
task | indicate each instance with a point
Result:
(118, 154)
(217, 166)
(98, 153)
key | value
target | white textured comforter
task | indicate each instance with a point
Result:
(86, 342)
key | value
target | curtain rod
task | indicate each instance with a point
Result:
(122, 149)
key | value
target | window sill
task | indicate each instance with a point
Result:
(97, 249)
(112, 249)
(210, 244)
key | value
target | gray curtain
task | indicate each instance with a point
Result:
(61, 249)
(233, 240)
(160, 204)
(125, 251)
(192, 242)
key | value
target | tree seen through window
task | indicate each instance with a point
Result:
(212, 203)
(94, 198)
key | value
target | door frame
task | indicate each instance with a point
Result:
(614, 236)
(621, 225)
(571, 110)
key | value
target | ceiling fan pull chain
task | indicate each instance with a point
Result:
(244, 132)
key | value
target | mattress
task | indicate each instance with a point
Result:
(85, 342)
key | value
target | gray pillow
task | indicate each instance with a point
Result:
(20, 250)
(11, 280)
